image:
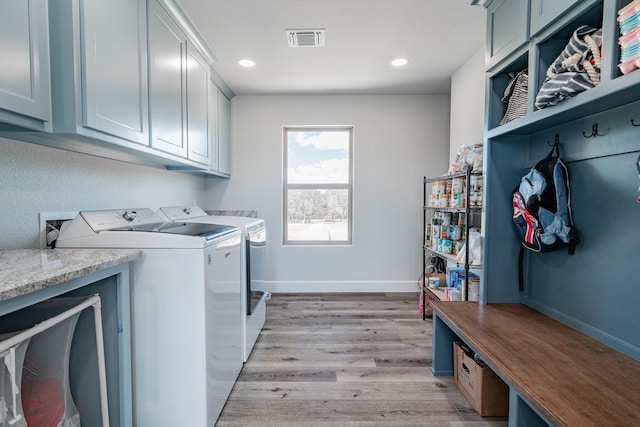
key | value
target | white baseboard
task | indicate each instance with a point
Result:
(364, 286)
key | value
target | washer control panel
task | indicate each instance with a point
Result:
(122, 219)
(181, 213)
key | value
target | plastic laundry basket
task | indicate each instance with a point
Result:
(46, 393)
(39, 357)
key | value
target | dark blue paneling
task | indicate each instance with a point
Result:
(596, 291)
(507, 161)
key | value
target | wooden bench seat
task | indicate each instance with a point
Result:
(567, 378)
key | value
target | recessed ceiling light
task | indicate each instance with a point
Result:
(399, 62)
(246, 63)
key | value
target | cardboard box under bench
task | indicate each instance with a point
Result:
(484, 390)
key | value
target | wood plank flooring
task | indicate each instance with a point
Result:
(346, 360)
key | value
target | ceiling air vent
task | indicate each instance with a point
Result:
(305, 38)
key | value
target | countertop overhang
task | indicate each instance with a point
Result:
(27, 270)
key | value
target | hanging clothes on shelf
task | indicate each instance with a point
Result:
(575, 70)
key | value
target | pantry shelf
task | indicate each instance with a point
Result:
(450, 258)
(453, 210)
(454, 199)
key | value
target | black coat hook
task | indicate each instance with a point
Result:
(556, 142)
(634, 123)
(594, 132)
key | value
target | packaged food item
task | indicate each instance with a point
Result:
(457, 200)
(473, 183)
(457, 185)
(446, 218)
(427, 235)
(446, 246)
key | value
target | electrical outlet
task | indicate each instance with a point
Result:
(52, 220)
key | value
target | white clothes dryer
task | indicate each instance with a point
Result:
(253, 255)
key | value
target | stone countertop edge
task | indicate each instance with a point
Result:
(27, 270)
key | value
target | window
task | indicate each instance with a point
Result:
(317, 185)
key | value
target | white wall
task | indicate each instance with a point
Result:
(467, 103)
(36, 179)
(397, 141)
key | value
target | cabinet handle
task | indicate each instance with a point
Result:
(226, 254)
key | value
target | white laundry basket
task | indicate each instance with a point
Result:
(46, 331)
(46, 392)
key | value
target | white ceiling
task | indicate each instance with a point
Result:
(362, 37)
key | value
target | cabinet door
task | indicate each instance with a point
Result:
(197, 106)
(213, 126)
(114, 73)
(224, 134)
(507, 28)
(543, 12)
(167, 56)
(24, 47)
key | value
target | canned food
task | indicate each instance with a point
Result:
(473, 183)
(446, 246)
(456, 232)
(457, 185)
(436, 230)
(457, 200)
(446, 218)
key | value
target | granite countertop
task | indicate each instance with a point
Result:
(28, 270)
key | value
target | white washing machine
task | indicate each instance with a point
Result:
(186, 327)
(254, 299)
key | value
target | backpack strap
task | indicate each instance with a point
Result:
(574, 239)
(521, 269)
(556, 148)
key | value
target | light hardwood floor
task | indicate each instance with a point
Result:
(345, 360)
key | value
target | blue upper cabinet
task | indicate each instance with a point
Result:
(99, 69)
(198, 106)
(179, 77)
(122, 79)
(224, 134)
(507, 28)
(219, 131)
(167, 68)
(115, 68)
(25, 98)
(544, 12)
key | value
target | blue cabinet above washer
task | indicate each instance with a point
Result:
(99, 84)
(25, 95)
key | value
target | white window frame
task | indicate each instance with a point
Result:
(286, 186)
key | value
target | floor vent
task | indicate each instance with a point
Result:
(305, 38)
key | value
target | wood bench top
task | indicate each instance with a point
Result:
(571, 379)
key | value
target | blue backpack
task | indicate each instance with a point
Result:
(542, 208)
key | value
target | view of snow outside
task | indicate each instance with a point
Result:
(318, 170)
